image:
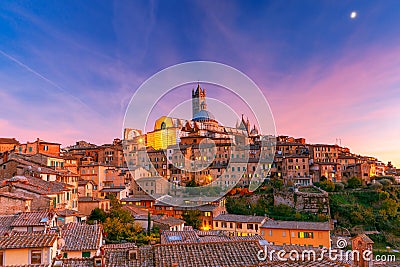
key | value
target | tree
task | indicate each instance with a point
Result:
(148, 222)
(115, 229)
(192, 218)
(192, 183)
(354, 182)
(97, 214)
(327, 185)
(114, 201)
(122, 214)
(277, 183)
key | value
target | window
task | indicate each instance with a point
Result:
(1, 258)
(239, 226)
(46, 148)
(85, 254)
(306, 235)
(207, 214)
(250, 226)
(270, 232)
(30, 149)
(284, 233)
(65, 255)
(36, 257)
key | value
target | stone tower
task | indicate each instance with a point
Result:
(198, 100)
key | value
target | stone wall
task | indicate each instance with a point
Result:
(11, 206)
(304, 201)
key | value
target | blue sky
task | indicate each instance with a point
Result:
(69, 68)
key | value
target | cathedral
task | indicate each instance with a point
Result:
(170, 131)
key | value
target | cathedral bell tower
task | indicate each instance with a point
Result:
(198, 100)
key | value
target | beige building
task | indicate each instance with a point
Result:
(87, 204)
(153, 185)
(25, 249)
(239, 225)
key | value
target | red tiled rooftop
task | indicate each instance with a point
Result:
(35, 218)
(80, 236)
(27, 240)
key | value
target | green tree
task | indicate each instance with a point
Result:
(390, 206)
(327, 185)
(97, 214)
(114, 202)
(192, 218)
(354, 182)
(122, 214)
(277, 183)
(148, 222)
(115, 229)
(192, 183)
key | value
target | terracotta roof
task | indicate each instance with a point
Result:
(138, 198)
(240, 218)
(116, 255)
(271, 224)
(14, 196)
(27, 240)
(9, 141)
(203, 208)
(194, 236)
(35, 218)
(26, 162)
(79, 236)
(112, 189)
(67, 212)
(364, 237)
(77, 262)
(83, 182)
(231, 253)
(170, 221)
(37, 185)
(135, 210)
(91, 199)
(120, 246)
(5, 223)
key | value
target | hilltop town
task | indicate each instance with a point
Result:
(110, 205)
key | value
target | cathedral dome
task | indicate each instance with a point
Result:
(204, 115)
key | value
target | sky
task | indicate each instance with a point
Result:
(68, 69)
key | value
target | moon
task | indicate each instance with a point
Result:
(353, 14)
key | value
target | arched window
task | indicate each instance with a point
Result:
(163, 125)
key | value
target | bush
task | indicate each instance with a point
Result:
(327, 185)
(354, 182)
(385, 182)
(339, 187)
(376, 186)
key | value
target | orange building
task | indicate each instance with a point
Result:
(315, 234)
(39, 146)
(7, 144)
